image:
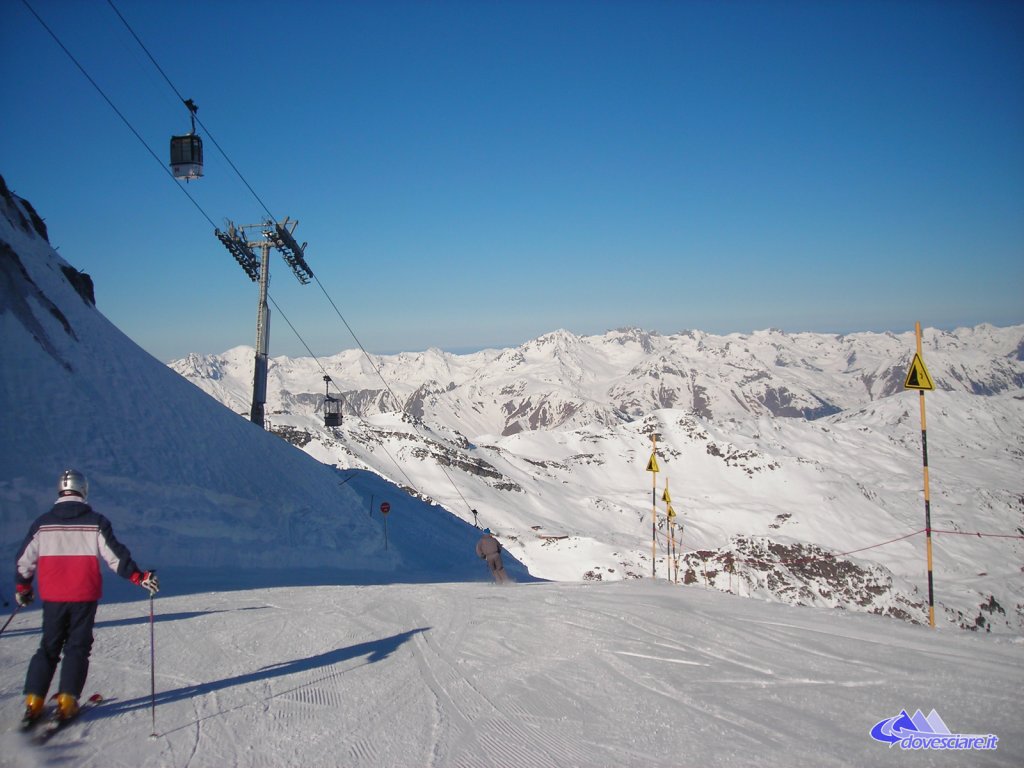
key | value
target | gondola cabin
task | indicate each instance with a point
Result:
(332, 412)
(332, 406)
(187, 156)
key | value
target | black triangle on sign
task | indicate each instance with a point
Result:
(917, 376)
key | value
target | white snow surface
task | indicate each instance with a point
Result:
(627, 673)
(296, 626)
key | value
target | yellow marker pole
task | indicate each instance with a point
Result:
(916, 375)
(669, 514)
(674, 551)
(672, 546)
(653, 466)
(927, 495)
(672, 537)
(679, 551)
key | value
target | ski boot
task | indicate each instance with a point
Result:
(67, 706)
(33, 710)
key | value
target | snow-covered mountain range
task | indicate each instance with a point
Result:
(561, 381)
(781, 452)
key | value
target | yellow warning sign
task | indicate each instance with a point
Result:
(917, 376)
(671, 512)
(652, 465)
(665, 496)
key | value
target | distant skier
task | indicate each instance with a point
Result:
(64, 546)
(489, 549)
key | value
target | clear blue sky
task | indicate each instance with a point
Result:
(473, 174)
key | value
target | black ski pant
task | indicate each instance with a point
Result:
(67, 627)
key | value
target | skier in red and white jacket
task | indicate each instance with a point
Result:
(63, 547)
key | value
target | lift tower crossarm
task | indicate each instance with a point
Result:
(282, 237)
(239, 247)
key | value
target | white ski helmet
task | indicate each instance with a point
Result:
(73, 482)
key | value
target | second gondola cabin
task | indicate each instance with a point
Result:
(332, 406)
(332, 412)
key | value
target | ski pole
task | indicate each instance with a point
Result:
(11, 618)
(152, 665)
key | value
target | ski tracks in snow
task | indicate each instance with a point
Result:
(479, 720)
(532, 676)
(471, 729)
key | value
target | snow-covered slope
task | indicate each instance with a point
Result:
(541, 675)
(186, 482)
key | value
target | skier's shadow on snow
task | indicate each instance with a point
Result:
(374, 650)
(179, 616)
(158, 618)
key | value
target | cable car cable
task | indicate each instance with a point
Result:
(320, 365)
(144, 48)
(256, 196)
(211, 222)
(194, 115)
(148, 148)
(386, 385)
(117, 111)
(359, 343)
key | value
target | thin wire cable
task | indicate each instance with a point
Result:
(274, 218)
(800, 561)
(298, 336)
(149, 149)
(254, 194)
(980, 535)
(321, 366)
(117, 111)
(196, 116)
(386, 385)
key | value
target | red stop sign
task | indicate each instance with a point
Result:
(384, 507)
